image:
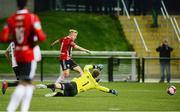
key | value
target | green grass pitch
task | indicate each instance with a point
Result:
(132, 97)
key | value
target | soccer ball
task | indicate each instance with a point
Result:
(171, 90)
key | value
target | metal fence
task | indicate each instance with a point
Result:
(117, 67)
(151, 71)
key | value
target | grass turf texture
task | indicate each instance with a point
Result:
(96, 32)
(132, 96)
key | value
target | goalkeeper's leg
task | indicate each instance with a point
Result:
(55, 94)
(51, 86)
(56, 86)
(43, 86)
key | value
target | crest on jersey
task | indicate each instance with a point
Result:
(20, 17)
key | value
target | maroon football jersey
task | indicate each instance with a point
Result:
(23, 26)
(67, 44)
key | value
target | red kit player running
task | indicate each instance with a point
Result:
(67, 43)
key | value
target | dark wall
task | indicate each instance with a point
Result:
(43, 5)
(173, 6)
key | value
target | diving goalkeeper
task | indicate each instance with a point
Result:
(81, 84)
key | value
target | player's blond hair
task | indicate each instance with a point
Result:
(73, 31)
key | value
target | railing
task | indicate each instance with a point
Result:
(134, 69)
(164, 8)
(177, 27)
(163, 13)
(110, 56)
(172, 25)
(125, 8)
(141, 36)
(174, 67)
(172, 20)
(93, 53)
(110, 65)
(137, 27)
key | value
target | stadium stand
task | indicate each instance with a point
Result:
(152, 38)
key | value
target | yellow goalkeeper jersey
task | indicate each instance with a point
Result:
(87, 82)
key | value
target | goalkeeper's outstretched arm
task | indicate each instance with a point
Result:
(88, 67)
(107, 90)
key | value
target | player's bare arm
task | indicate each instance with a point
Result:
(55, 42)
(82, 49)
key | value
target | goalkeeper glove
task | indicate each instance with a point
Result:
(113, 91)
(99, 67)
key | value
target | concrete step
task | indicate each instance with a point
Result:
(152, 36)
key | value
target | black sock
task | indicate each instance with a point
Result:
(13, 84)
(58, 94)
(62, 86)
(51, 86)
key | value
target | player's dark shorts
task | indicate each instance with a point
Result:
(68, 64)
(26, 70)
(70, 89)
(16, 71)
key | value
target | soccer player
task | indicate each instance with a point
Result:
(67, 43)
(9, 54)
(23, 26)
(81, 84)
